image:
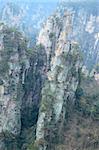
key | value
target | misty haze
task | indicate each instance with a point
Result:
(49, 75)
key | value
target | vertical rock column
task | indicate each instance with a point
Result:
(13, 64)
(59, 89)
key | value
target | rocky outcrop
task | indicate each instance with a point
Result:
(22, 75)
(41, 88)
(13, 64)
(58, 92)
(85, 19)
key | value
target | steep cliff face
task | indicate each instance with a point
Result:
(13, 64)
(63, 78)
(66, 92)
(22, 75)
(44, 97)
(34, 81)
(85, 29)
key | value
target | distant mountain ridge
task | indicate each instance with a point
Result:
(29, 17)
(85, 21)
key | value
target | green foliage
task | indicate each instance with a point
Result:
(29, 52)
(73, 71)
(35, 51)
(22, 62)
(52, 35)
(47, 100)
(8, 45)
(57, 19)
(13, 42)
(32, 146)
(88, 108)
(47, 97)
(40, 47)
(87, 96)
(76, 53)
(4, 67)
(10, 30)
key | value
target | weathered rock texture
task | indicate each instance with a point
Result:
(85, 28)
(58, 93)
(41, 88)
(13, 64)
(22, 75)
